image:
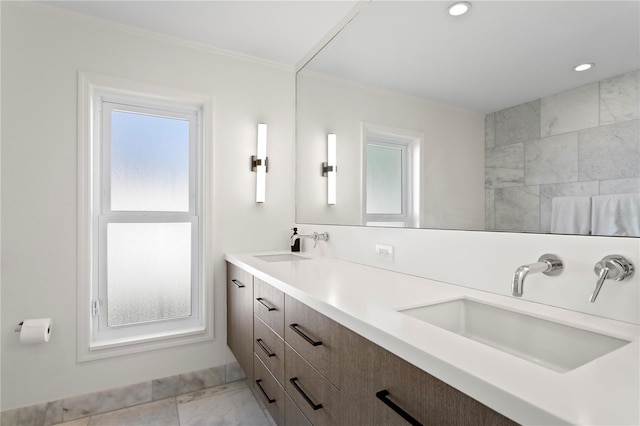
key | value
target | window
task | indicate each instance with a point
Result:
(143, 218)
(389, 185)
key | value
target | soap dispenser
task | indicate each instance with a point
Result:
(295, 242)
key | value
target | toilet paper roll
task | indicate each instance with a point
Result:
(35, 331)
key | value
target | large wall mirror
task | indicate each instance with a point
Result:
(475, 122)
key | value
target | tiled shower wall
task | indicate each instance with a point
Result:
(584, 141)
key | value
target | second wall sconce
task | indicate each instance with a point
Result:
(329, 168)
(260, 164)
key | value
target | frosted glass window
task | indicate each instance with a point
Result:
(384, 180)
(148, 272)
(149, 163)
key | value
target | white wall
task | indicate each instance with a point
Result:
(0, 196)
(42, 52)
(452, 166)
(488, 260)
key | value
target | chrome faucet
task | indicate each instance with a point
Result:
(614, 267)
(548, 264)
(323, 236)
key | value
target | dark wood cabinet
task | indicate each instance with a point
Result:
(269, 305)
(269, 391)
(362, 367)
(269, 347)
(315, 337)
(240, 317)
(309, 370)
(316, 397)
(410, 392)
(312, 363)
(293, 415)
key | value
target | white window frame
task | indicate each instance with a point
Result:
(409, 143)
(95, 92)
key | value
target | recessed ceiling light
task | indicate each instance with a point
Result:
(459, 8)
(583, 67)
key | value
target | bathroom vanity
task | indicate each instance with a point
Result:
(329, 342)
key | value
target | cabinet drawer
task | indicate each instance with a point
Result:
(315, 337)
(432, 401)
(363, 366)
(292, 414)
(269, 391)
(269, 347)
(269, 305)
(318, 399)
(240, 317)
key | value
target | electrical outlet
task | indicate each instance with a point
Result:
(384, 252)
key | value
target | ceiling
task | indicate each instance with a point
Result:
(500, 54)
(280, 31)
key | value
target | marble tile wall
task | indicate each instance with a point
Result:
(584, 141)
(83, 406)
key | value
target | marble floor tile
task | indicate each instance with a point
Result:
(188, 382)
(36, 415)
(78, 422)
(234, 372)
(234, 407)
(158, 413)
(211, 392)
(224, 405)
(105, 401)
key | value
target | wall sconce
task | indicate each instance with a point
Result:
(260, 164)
(329, 168)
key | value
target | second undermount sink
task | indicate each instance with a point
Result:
(553, 345)
(285, 257)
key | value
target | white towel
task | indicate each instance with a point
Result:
(616, 214)
(571, 215)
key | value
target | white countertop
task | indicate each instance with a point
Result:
(605, 391)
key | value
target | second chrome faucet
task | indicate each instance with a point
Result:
(614, 267)
(548, 264)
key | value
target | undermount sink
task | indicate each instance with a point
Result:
(285, 257)
(553, 345)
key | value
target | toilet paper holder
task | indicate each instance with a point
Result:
(18, 328)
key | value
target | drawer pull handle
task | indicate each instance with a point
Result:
(294, 327)
(304, 395)
(237, 283)
(266, 305)
(382, 396)
(269, 400)
(260, 343)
